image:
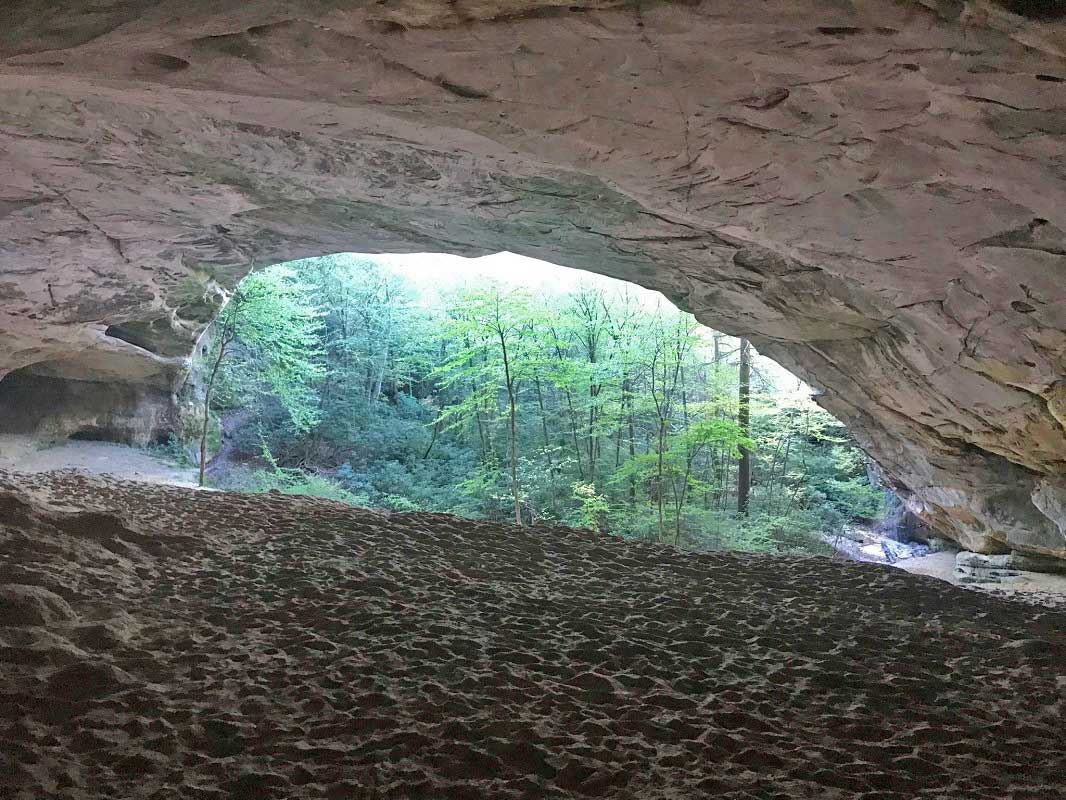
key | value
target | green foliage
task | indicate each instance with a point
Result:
(298, 482)
(174, 451)
(289, 480)
(592, 507)
(277, 330)
(592, 408)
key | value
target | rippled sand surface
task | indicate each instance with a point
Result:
(166, 643)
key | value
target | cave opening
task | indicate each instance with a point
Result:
(82, 400)
(89, 434)
(514, 390)
(871, 192)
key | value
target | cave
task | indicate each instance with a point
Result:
(870, 192)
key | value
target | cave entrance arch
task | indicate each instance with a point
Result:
(783, 171)
(383, 404)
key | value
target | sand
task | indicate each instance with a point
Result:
(183, 644)
(1034, 588)
(31, 454)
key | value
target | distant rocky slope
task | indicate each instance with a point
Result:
(873, 191)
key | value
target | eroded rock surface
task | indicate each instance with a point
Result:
(872, 191)
(280, 647)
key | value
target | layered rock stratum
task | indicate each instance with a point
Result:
(168, 643)
(872, 191)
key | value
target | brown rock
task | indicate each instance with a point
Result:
(871, 191)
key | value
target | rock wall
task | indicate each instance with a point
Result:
(872, 191)
(61, 408)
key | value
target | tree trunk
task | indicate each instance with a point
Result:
(784, 470)
(227, 329)
(632, 455)
(376, 385)
(679, 504)
(574, 434)
(375, 389)
(512, 432)
(684, 399)
(544, 427)
(436, 433)
(744, 422)
(770, 478)
(514, 458)
(659, 489)
(547, 443)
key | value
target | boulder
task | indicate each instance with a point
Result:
(982, 561)
(1027, 563)
(1011, 562)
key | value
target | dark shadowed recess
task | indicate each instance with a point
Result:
(1036, 9)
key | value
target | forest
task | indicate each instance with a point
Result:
(598, 405)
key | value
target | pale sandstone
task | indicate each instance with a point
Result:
(872, 191)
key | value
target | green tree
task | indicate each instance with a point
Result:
(492, 324)
(266, 342)
(594, 407)
(744, 420)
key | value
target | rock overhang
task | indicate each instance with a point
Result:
(872, 192)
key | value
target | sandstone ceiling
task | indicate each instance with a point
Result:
(871, 189)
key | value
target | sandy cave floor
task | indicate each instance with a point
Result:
(170, 643)
(1035, 588)
(31, 454)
